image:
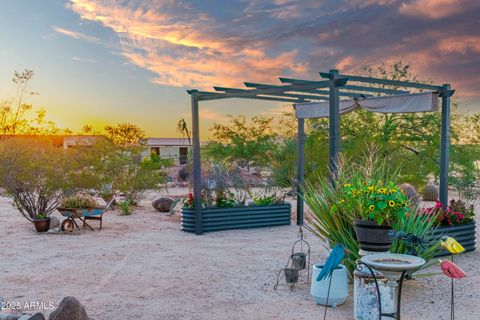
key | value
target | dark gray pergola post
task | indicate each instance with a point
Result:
(445, 143)
(197, 167)
(334, 124)
(300, 169)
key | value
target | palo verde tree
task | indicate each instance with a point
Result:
(248, 143)
(15, 117)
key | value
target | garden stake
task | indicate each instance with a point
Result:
(328, 296)
(451, 269)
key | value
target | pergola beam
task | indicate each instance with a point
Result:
(308, 97)
(323, 92)
(206, 95)
(265, 91)
(350, 87)
(395, 83)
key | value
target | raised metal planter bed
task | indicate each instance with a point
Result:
(465, 234)
(216, 219)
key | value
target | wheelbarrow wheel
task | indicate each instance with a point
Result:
(67, 225)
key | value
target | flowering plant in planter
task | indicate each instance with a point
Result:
(457, 213)
(377, 201)
(222, 199)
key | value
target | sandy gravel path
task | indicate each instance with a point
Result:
(143, 267)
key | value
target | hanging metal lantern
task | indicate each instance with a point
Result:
(298, 262)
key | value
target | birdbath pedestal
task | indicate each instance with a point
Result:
(393, 267)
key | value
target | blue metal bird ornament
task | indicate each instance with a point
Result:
(336, 256)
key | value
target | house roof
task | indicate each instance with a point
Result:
(167, 142)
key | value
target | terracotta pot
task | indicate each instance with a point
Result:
(42, 225)
(371, 236)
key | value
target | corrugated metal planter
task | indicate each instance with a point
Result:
(465, 234)
(216, 219)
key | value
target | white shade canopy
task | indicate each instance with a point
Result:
(402, 103)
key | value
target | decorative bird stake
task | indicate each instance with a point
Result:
(450, 269)
(333, 260)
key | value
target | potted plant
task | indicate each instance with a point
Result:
(41, 222)
(377, 206)
(456, 220)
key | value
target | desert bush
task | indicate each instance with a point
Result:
(110, 169)
(125, 207)
(35, 176)
(135, 180)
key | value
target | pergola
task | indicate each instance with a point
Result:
(331, 89)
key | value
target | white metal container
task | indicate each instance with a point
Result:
(338, 288)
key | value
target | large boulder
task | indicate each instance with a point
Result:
(163, 204)
(69, 308)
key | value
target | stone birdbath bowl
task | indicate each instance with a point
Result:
(392, 265)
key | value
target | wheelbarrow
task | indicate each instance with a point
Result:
(73, 214)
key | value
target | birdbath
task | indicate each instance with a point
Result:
(393, 266)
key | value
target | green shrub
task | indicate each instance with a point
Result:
(125, 207)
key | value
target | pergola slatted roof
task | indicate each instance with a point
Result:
(301, 91)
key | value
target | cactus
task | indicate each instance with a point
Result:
(430, 193)
(410, 192)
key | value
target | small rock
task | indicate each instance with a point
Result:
(54, 222)
(69, 308)
(162, 204)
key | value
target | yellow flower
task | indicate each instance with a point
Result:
(371, 188)
(391, 203)
(382, 190)
(347, 185)
(379, 181)
(371, 207)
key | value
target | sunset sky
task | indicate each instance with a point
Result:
(108, 61)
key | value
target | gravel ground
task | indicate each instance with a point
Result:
(143, 267)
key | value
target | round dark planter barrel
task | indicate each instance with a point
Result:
(42, 225)
(464, 233)
(371, 236)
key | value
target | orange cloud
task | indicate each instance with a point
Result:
(460, 44)
(432, 9)
(76, 35)
(186, 52)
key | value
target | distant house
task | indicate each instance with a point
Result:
(176, 149)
